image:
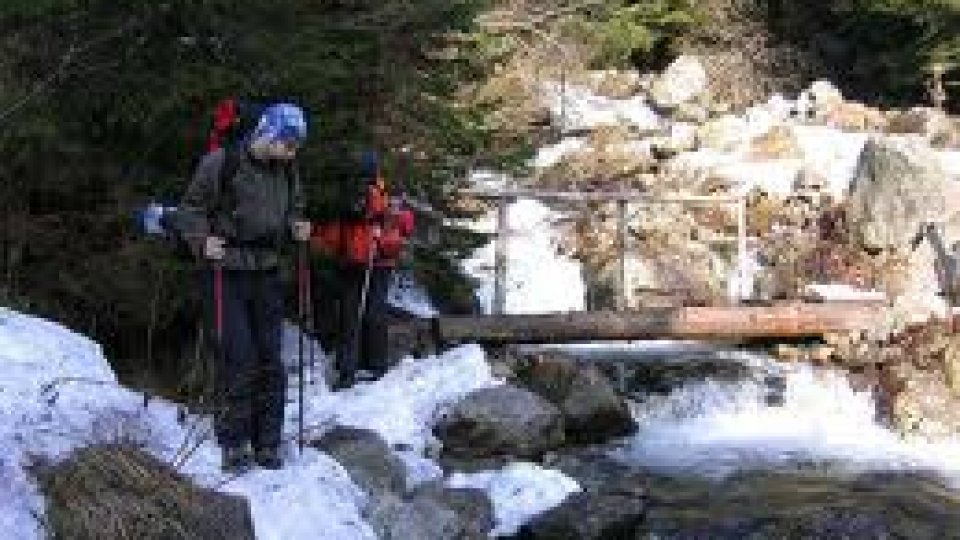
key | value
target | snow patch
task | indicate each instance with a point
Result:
(831, 153)
(539, 278)
(951, 162)
(548, 156)
(844, 292)
(402, 405)
(58, 393)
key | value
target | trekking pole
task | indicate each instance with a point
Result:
(311, 325)
(301, 308)
(219, 361)
(218, 306)
(362, 308)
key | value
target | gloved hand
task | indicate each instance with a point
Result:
(214, 248)
(301, 230)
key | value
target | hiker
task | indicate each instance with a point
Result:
(243, 206)
(366, 242)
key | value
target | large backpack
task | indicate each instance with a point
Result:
(232, 119)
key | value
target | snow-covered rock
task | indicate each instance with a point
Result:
(725, 133)
(832, 154)
(519, 491)
(919, 298)
(683, 80)
(576, 109)
(548, 156)
(824, 95)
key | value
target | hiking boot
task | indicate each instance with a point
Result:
(236, 460)
(268, 458)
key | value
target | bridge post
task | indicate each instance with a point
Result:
(741, 292)
(622, 253)
(500, 257)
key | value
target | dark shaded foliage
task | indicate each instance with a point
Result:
(105, 105)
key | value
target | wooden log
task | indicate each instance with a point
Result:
(695, 323)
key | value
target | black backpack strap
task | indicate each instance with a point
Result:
(292, 173)
(224, 195)
(231, 163)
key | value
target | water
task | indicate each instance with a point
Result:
(714, 427)
(722, 462)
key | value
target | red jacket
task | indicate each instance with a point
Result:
(351, 241)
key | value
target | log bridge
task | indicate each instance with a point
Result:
(729, 324)
(735, 323)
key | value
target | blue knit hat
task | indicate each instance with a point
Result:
(281, 122)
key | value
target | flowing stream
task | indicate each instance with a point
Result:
(737, 445)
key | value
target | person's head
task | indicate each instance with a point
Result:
(369, 165)
(279, 133)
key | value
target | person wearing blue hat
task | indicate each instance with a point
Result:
(244, 204)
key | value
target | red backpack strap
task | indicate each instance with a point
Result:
(224, 117)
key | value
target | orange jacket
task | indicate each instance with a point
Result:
(351, 241)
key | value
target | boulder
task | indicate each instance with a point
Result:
(932, 124)
(926, 407)
(682, 138)
(898, 186)
(116, 491)
(911, 121)
(595, 471)
(369, 460)
(854, 117)
(692, 112)
(611, 504)
(725, 133)
(393, 518)
(683, 80)
(616, 84)
(917, 296)
(472, 506)
(592, 410)
(801, 504)
(588, 516)
(824, 94)
(501, 421)
(432, 511)
(951, 366)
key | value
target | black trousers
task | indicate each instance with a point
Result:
(250, 379)
(362, 344)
